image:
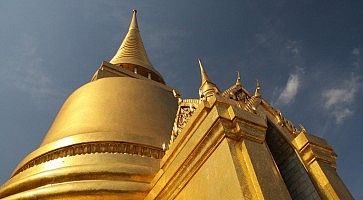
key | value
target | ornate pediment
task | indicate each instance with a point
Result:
(186, 109)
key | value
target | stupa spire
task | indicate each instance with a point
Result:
(133, 23)
(207, 88)
(132, 50)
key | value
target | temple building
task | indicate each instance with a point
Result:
(128, 135)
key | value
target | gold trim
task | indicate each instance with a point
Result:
(95, 147)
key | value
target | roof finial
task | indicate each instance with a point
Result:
(207, 88)
(302, 129)
(238, 81)
(258, 89)
(204, 75)
(255, 100)
(133, 23)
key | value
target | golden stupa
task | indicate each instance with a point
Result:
(127, 135)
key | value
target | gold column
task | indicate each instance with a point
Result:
(319, 159)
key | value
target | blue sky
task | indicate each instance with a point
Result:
(307, 54)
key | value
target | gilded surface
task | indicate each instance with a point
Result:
(186, 159)
(109, 139)
(319, 159)
(230, 128)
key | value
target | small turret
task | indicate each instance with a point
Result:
(207, 88)
(255, 100)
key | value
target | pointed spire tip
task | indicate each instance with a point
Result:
(238, 81)
(132, 50)
(200, 63)
(133, 23)
(258, 88)
(202, 72)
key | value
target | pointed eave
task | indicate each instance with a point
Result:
(132, 50)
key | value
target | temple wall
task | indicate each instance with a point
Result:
(216, 179)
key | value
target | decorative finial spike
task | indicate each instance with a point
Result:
(200, 65)
(258, 89)
(204, 75)
(177, 95)
(133, 23)
(238, 81)
(303, 130)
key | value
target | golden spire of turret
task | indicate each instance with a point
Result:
(132, 50)
(203, 74)
(238, 81)
(207, 88)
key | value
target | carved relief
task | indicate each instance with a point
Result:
(244, 100)
(185, 111)
(250, 103)
(95, 147)
(236, 93)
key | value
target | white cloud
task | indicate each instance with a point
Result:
(261, 38)
(290, 91)
(338, 101)
(294, 47)
(338, 96)
(356, 51)
(341, 114)
(356, 57)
